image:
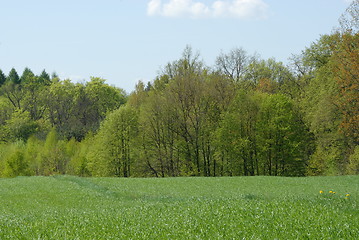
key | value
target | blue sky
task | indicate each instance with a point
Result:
(125, 41)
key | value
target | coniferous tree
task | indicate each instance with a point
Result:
(27, 76)
(2, 78)
(44, 78)
(13, 77)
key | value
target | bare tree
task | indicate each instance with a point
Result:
(349, 21)
(234, 64)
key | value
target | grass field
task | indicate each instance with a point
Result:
(66, 207)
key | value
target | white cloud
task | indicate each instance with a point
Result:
(177, 8)
(153, 7)
(244, 9)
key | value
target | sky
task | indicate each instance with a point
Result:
(124, 41)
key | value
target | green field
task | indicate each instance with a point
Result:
(66, 207)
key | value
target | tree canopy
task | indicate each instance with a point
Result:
(244, 116)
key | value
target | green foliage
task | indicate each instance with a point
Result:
(113, 148)
(345, 66)
(267, 69)
(248, 116)
(282, 136)
(13, 93)
(263, 135)
(353, 167)
(159, 140)
(319, 53)
(5, 114)
(14, 162)
(32, 153)
(78, 164)
(20, 126)
(60, 105)
(15, 165)
(104, 98)
(324, 109)
(76, 109)
(53, 158)
(237, 136)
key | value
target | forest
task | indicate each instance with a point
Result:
(243, 116)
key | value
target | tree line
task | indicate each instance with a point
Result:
(244, 116)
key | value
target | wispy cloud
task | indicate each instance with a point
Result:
(243, 9)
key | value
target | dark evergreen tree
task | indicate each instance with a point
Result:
(26, 76)
(2, 78)
(13, 77)
(44, 78)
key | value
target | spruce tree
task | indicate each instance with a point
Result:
(13, 77)
(2, 78)
(26, 76)
(44, 78)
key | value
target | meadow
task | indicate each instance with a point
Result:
(67, 207)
